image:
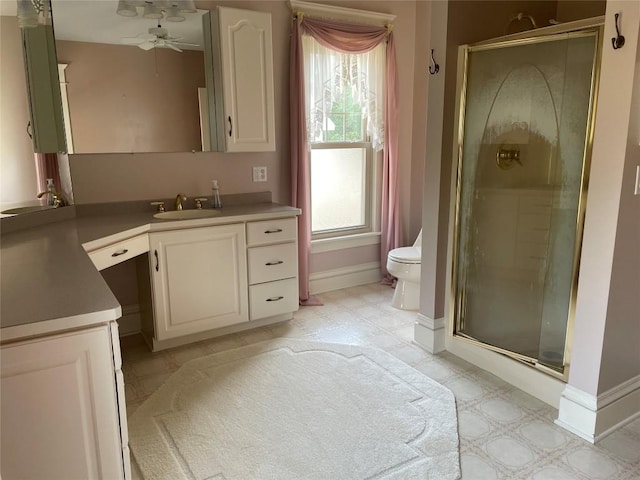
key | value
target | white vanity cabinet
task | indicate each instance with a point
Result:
(240, 82)
(199, 279)
(62, 400)
(272, 252)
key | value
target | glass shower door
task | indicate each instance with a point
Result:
(526, 127)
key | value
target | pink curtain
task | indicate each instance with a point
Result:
(47, 167)
(346, 38)
(300, 178)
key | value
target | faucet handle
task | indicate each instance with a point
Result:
(199, 202)
(57, 199)
(160, 206)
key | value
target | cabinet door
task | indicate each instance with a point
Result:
(199, 279)
(247, 67)
(45, 101)
(59, 408)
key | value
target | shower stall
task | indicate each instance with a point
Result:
(526, 114)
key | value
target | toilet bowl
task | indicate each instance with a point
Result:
(404, 263)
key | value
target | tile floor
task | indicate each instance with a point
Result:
(504, 433)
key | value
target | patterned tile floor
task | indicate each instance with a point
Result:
(504, 433)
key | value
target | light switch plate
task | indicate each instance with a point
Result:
(259, 174)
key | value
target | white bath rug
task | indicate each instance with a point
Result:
(289, 409)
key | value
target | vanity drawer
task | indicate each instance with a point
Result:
(273, 262)
(119, 252)
(272, 231)
(273, 298)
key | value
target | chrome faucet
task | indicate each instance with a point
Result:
(58, 198)
(181, 197)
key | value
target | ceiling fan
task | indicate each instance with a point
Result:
(157, 37)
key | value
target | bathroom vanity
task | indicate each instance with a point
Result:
(63, 405)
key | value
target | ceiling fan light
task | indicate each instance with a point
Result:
(126, 9)
(173, 15)
(187, 6)
(151, 11)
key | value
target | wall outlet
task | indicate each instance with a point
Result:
(259, 174)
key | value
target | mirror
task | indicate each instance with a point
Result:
(130, 84)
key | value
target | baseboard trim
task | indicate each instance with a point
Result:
(129, 323)
(157, 345)
(346, 277)
(430, 333)
(532, 381)
(593, 418)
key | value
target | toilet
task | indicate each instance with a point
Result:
(404, 263)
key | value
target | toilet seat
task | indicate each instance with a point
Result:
(411, 255)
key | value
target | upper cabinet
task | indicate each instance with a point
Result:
(46, 127)
(240, 82)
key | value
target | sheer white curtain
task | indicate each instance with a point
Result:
(328, 72)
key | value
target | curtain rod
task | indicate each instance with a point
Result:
(301, 8)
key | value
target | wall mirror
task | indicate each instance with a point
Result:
(130, 83)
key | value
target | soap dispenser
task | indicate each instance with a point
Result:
(215, 200)
(51, 189)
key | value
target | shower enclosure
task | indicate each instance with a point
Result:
(526, 110)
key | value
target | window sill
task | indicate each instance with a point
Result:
(348, 241)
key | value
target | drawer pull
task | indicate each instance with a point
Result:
(119, 252)
(277, 230)
(274, 299)
(270, 264)
(157, 261)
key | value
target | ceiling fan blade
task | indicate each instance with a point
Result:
(138, 39)
(186, 44)
(173, 47)
(147, 45)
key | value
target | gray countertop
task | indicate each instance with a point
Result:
(48, 283)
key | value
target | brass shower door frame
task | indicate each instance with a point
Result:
(456, 294)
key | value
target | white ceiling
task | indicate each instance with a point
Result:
(8, 8)
(97, 21)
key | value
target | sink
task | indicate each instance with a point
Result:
(32, 208)
(187, 214)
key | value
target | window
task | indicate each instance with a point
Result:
(345, 98)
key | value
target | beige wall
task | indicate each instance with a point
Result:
(607, 323)
(125, 99)
(18, 168)
(569, 10)
(415, 180)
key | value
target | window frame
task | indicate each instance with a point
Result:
(370, 195)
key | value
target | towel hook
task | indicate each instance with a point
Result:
(433, 66)
(618, 40)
